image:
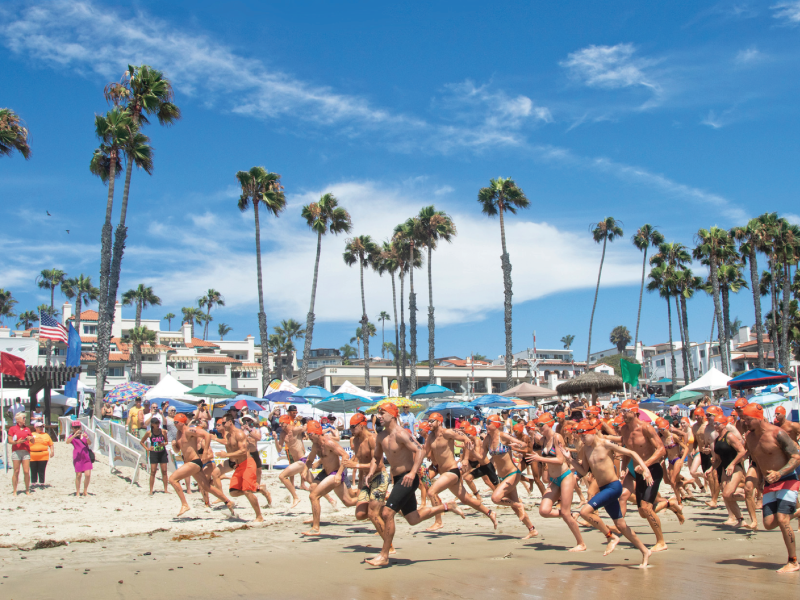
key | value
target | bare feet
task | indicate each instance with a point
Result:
(752, 526)
(732, 521)
(263, 490)
(435, 527)
(532, 533)
(184, 508)
(378, 561)
(612, 543)
(455, 508)
(231, 505)
(710, 504)
(578, 548)
(645, 558)
(308, 521)
(789, 568)
(311, 532)
(295, 502)
(493, 516)
(658, 548)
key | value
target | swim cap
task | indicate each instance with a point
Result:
(313, 428)
(629, 405)
(587, 427)
(545, 419)
(389, 407)
(357, 419)
(470, 430)
(285, 420)
(780, 410)
(662, 423)
(495, 420)
(181, 418)
(699, 413)
(753, 410)
(519, 428)
(741, 403)
(530, 424)
(595, 410)
(424, 428)
(715, 410)
(561, 415)
(619, 420)
(436, 417)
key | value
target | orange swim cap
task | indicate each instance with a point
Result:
(753, 410)
(699, 413)
(436, 417)
(389, 407)
(715, 410)
(662, 423)
(181, 418)
(780, 410)
(619, 420)
(357, 419)
(470, 430)
(519, 428)
(313, 428)
(561, 415)
(530, 424)
(545, 419)
(567, 426)
(741, 403)
(494, 420)
(629, 405)
(595, 410)
(285, 420)
(587, 426)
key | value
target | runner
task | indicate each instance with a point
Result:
(253, 433)
(155, 441)
(676, 451)
(562, 479)
(332, 477)
(752, 477)
(498, 445)
(595, 456)
(701, 463)
(777, 457)
(243, 480)
(730, 451)
(405, 457)
(479, 462)
(793, 429)
(438, 444)
(291, 437)
(186, 445)
(709, 436)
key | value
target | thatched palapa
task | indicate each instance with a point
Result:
(590, 383)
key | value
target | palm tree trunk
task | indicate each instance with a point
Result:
(596, 291)
(262, 316)
(686, 337)
(279, 362)
(402, 349)
(431, 321)
(641, 291)
(78, 308)
(776, 349)
(412, 318)
(683, 342)
(364, 324)
(208, 318)
(507, 295)
(169, 324)
(104, 315)
(757, 304)
(785, 357)
(310, 318)
(396, 335)
(726, 320)
(723, 351)
(672, 361)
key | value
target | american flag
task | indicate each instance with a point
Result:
(50, 329)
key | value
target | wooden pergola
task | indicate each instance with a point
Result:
(41, 377)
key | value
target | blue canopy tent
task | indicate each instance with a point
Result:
(757, 378)
(343, 402)
(432, 391)
(284, 396)
(180, 407)
(493, 401)
(452, 409)
(311, 394)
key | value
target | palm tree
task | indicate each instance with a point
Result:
(291, 330)
(50, 279)
(357, 339)
(567, 341)
(262, 189)
(383, 317)
(605, 231)
(169, 316)
(13, 135)
(404, 254)
(662, 281)
(347, 352)
(138, 337)
(192, 315)
(211, 299)
(501, 196)
(47, 309)
(365, 252)
(114, 131)
(676, 256)
(620, 337)
(409, 231)
(277, 343)
(388, 262)
(434, 226)
(83, 291)
(715, 245)
(223, 329)
(7, 303)
(685, 285)
(787, 251)
(26, 319)
(753, 238)
(730, 280)
(647, 235)
(325, 216)
(142, 297)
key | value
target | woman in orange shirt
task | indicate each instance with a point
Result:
(42, 450)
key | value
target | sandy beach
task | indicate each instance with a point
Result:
(124, 543)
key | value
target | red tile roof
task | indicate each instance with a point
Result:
(87, 315)
(459, 362)
(753, 343)
(253, 364)
(112, 357)
(198, 343)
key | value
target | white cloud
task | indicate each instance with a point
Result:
(718, 120)
(610, 67)
(788, 12)
(749, 56)
(444, 190)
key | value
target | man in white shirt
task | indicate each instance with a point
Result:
(407, 420)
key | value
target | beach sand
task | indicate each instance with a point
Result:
(121, 534)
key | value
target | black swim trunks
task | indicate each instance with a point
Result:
(488, 470)
(649, 493)
(705, 462)
(198, 462)
(403, 499)
(256, 456)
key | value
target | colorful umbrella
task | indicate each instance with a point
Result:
(343, 402)
(312, 393)
(433, 391)
(647, 416)
(493, 401)
(399, 402)
(240, 404)
(211, 390)
(454, 409)
(127, 391)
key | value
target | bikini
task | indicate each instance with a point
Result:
(557, 481)
(499, 451)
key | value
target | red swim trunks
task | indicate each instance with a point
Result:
(245, 477)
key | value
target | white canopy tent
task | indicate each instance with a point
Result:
(171, 388)
(712, 381)
(350, 388)
(56, 399)
(285, 386)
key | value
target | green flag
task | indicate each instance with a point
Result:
(630, 372)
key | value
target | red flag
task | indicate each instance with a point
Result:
(12, 365)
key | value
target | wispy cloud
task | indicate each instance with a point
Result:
(787, 12)
(718, 120)
(749, 56)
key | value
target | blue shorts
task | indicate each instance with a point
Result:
(608, 498)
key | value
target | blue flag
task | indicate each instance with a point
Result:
(73, 360)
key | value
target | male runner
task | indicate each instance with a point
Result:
(751, 480)
(777, 457)
(372, 494)
(438, 444)
(332, 477)
(291, 435)
(253, 434)
(243, 480)
(793, 429)
(641, 438)
(186, 444)
(596, 456)
(405, 456)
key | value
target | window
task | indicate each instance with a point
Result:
(240, 356)
(90, 329)
(91, 372)
(150, 358)
(244, 374)
(661, 363)
(211, 371)
(183, 365)
(115, 372)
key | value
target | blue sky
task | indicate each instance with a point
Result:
(682, 115)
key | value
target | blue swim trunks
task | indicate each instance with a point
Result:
(608, 498)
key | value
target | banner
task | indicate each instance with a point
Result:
(103, 424)
(630, 372)
(119, 432)
(73, 360)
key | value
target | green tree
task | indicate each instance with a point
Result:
(137, 337)
(605, 231)
(291, 330)
(210, 300)
(13, 134)
(141, 297)
(383, 317)
(662, 281)
(620, 337)
(434, 226)
(347, 352)
(168, 317)
(365, 252)
(787, 251)
(410, 232)
(647, 235)
(192, 315)
(47, 309)
(501, 196)
(7, 303)
(567, 341)
(323, 217)
(83, 291)
(261, 189)
(686, 283)
(389, 262)
(404, 254)
(50, 279)
(27, 319)
(223, 329)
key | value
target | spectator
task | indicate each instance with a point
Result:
(17, 407)
(275, 421)
(147, 412)
(80, 457)
(117, 412)
(266, 430)
(42, 450)
(135, 420)
(172, 431)
(407, 420)
(329, 427)
(107, 410)
(155, 441)
(20, 438)
(154, 412)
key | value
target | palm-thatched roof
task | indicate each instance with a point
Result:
(591, 382)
